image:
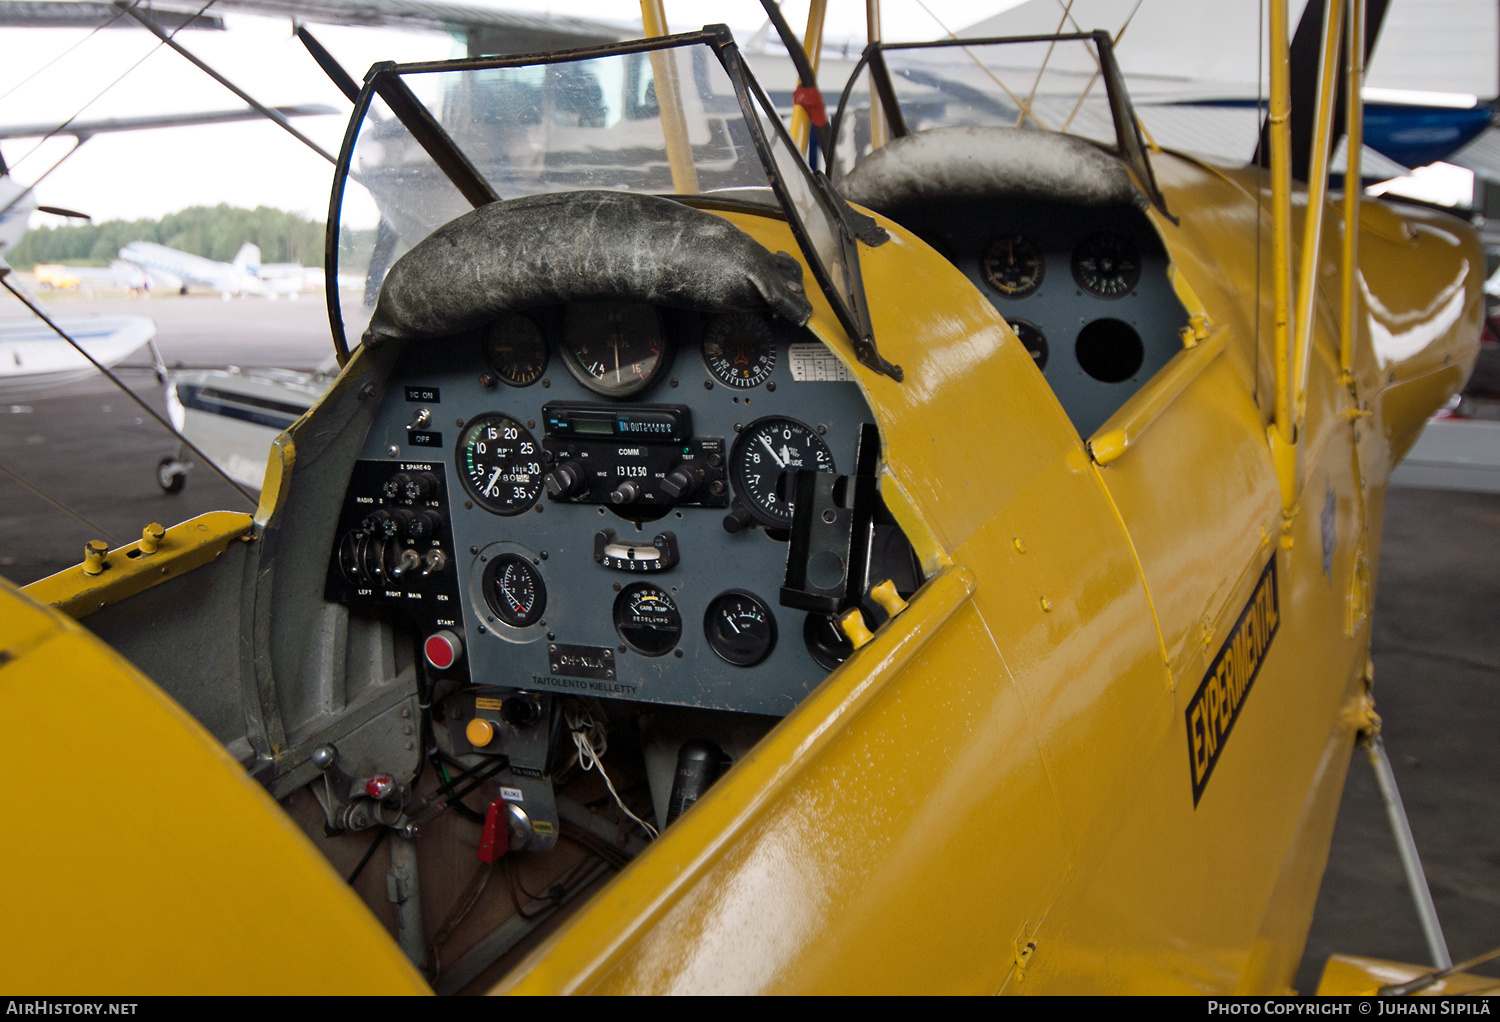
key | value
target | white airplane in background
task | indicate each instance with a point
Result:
(231, 280)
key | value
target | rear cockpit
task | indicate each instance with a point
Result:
(1051, 227)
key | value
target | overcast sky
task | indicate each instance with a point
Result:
(151, 173)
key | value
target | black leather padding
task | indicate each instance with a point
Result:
(579, 246)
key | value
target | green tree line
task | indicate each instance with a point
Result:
(216, 232)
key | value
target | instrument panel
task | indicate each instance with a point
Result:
(1084, 288)
(604, 505)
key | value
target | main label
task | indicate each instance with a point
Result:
(1215, 707)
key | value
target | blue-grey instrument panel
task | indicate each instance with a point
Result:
(587, 553)
(1085, 288)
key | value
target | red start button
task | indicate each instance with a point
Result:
(443, 649)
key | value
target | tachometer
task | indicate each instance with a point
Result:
(614, 348)
(1107, 266)
(500, 464)
(647, 619)
(515, 348)
(762, 452)
(1012, 267)
(739, 350)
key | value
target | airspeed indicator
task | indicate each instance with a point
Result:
(500, 464)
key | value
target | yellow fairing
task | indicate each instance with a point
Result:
(177, 875)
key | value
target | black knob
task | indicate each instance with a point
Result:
(420, 486)
(423, 524)
(737, 519)
(565, 480)
(373, 524)
(683, 481)
(521, 711)
(627, 492)
(399, 523)
(395, 487)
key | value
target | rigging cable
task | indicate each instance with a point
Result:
(111, 85)
(64, 53)
(34, 307)
(60, 505)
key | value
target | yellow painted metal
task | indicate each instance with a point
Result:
(1036, 718)
(879, 130)
(669, 99)
(1141, 409)
(153, 864)
(812, 45)
(1283, 434)
(1355, 976)
(1000, 776)
(1354, 119)
(1317, 192)
(132, 568)
(890, 601)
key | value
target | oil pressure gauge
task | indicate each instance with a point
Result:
(514, 590)
(740, 628)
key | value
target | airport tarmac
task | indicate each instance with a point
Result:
(1436, 642)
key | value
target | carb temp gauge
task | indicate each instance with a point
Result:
(1012, 267)
(762, 452)
(1107, 266)
(647, 619)
(740, 628)
(514, 590)
(739, 350)
(515, 348)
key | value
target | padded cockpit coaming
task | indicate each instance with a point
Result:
(580, 246)
(985, 162)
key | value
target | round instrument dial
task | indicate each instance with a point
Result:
(1107, 266)
(647, 619)
(739, 350)
(514, 590)
(500, 464)
(614, 348)
(1034, 340)
(515, 348)
(740, 628)
(1012, 267)
(762, 452)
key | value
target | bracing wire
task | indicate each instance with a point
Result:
(111, 85)
(42, 315)
(97, 29)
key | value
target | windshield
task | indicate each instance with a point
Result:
(1064, 83)
(679, 115)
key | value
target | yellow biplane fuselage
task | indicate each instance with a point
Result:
(1101, 750)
